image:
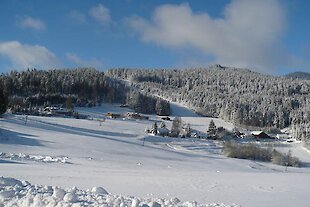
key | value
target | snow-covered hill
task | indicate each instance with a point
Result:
(119, 156)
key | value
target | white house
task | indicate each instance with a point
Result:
(283, 136)
(163, 132)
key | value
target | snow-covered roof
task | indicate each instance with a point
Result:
(256, 132)
(162, 130)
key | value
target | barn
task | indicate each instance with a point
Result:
(260, 135)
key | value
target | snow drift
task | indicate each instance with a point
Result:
(21, 193)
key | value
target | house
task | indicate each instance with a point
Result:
(113, 115)
(260, 135)
(283, 136)
(195, 135)
(238, 134)
(163, 132)
(136, 116)
(167, 118)
(56, 110)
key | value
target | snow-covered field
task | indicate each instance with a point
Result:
(134, 167)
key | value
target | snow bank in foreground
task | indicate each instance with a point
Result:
(21, 193)
(37, 158)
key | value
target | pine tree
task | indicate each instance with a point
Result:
(155, 128)
(212, 128)
(176, 127)
(3, 101)
(188, 130)
(69, 104)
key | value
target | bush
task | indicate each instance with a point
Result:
(254, 152)
(285, 159)
(222, 133)
(248, 151)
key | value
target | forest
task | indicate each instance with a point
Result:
(85, 86)
(241, 96)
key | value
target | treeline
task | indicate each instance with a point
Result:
(3, 100)
(237, 95)
(86, 87)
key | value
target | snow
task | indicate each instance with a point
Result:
(16, 193)
(37, 158)
(181, 110)
(134, 168)
(256, 133)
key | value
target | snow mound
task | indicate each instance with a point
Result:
(37, 158)
(21, 193)
(99, 190)
(9, 182)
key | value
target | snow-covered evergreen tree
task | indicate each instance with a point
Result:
(212, 128)
(176, 128)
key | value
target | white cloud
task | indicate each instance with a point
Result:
(100, 13)
(24, 56)
(31, 23)
(77, 17)
(84, 63)
(246, 36)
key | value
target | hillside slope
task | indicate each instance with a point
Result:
(299, 75)
(238, 95)
(112, 154)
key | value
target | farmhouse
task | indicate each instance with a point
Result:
(136, 116)
(163, 132)
(260, 135)
(56, 110)
(113, 115)
(283, 136)
(167, 118)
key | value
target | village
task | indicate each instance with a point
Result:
(110, 135)
(159, 126)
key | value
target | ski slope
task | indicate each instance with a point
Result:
(120, 157)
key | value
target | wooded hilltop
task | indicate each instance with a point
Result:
(241, 96)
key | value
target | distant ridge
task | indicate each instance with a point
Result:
(299, 75)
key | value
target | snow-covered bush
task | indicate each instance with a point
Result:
(247, 151)
(285, 159)
(255, 152)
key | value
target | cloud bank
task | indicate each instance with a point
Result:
(247, 35)
(100, 13)
(31, 23)
(77, 16)
(83, 63)
(24, 56)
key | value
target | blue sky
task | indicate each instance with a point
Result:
(270, 36)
